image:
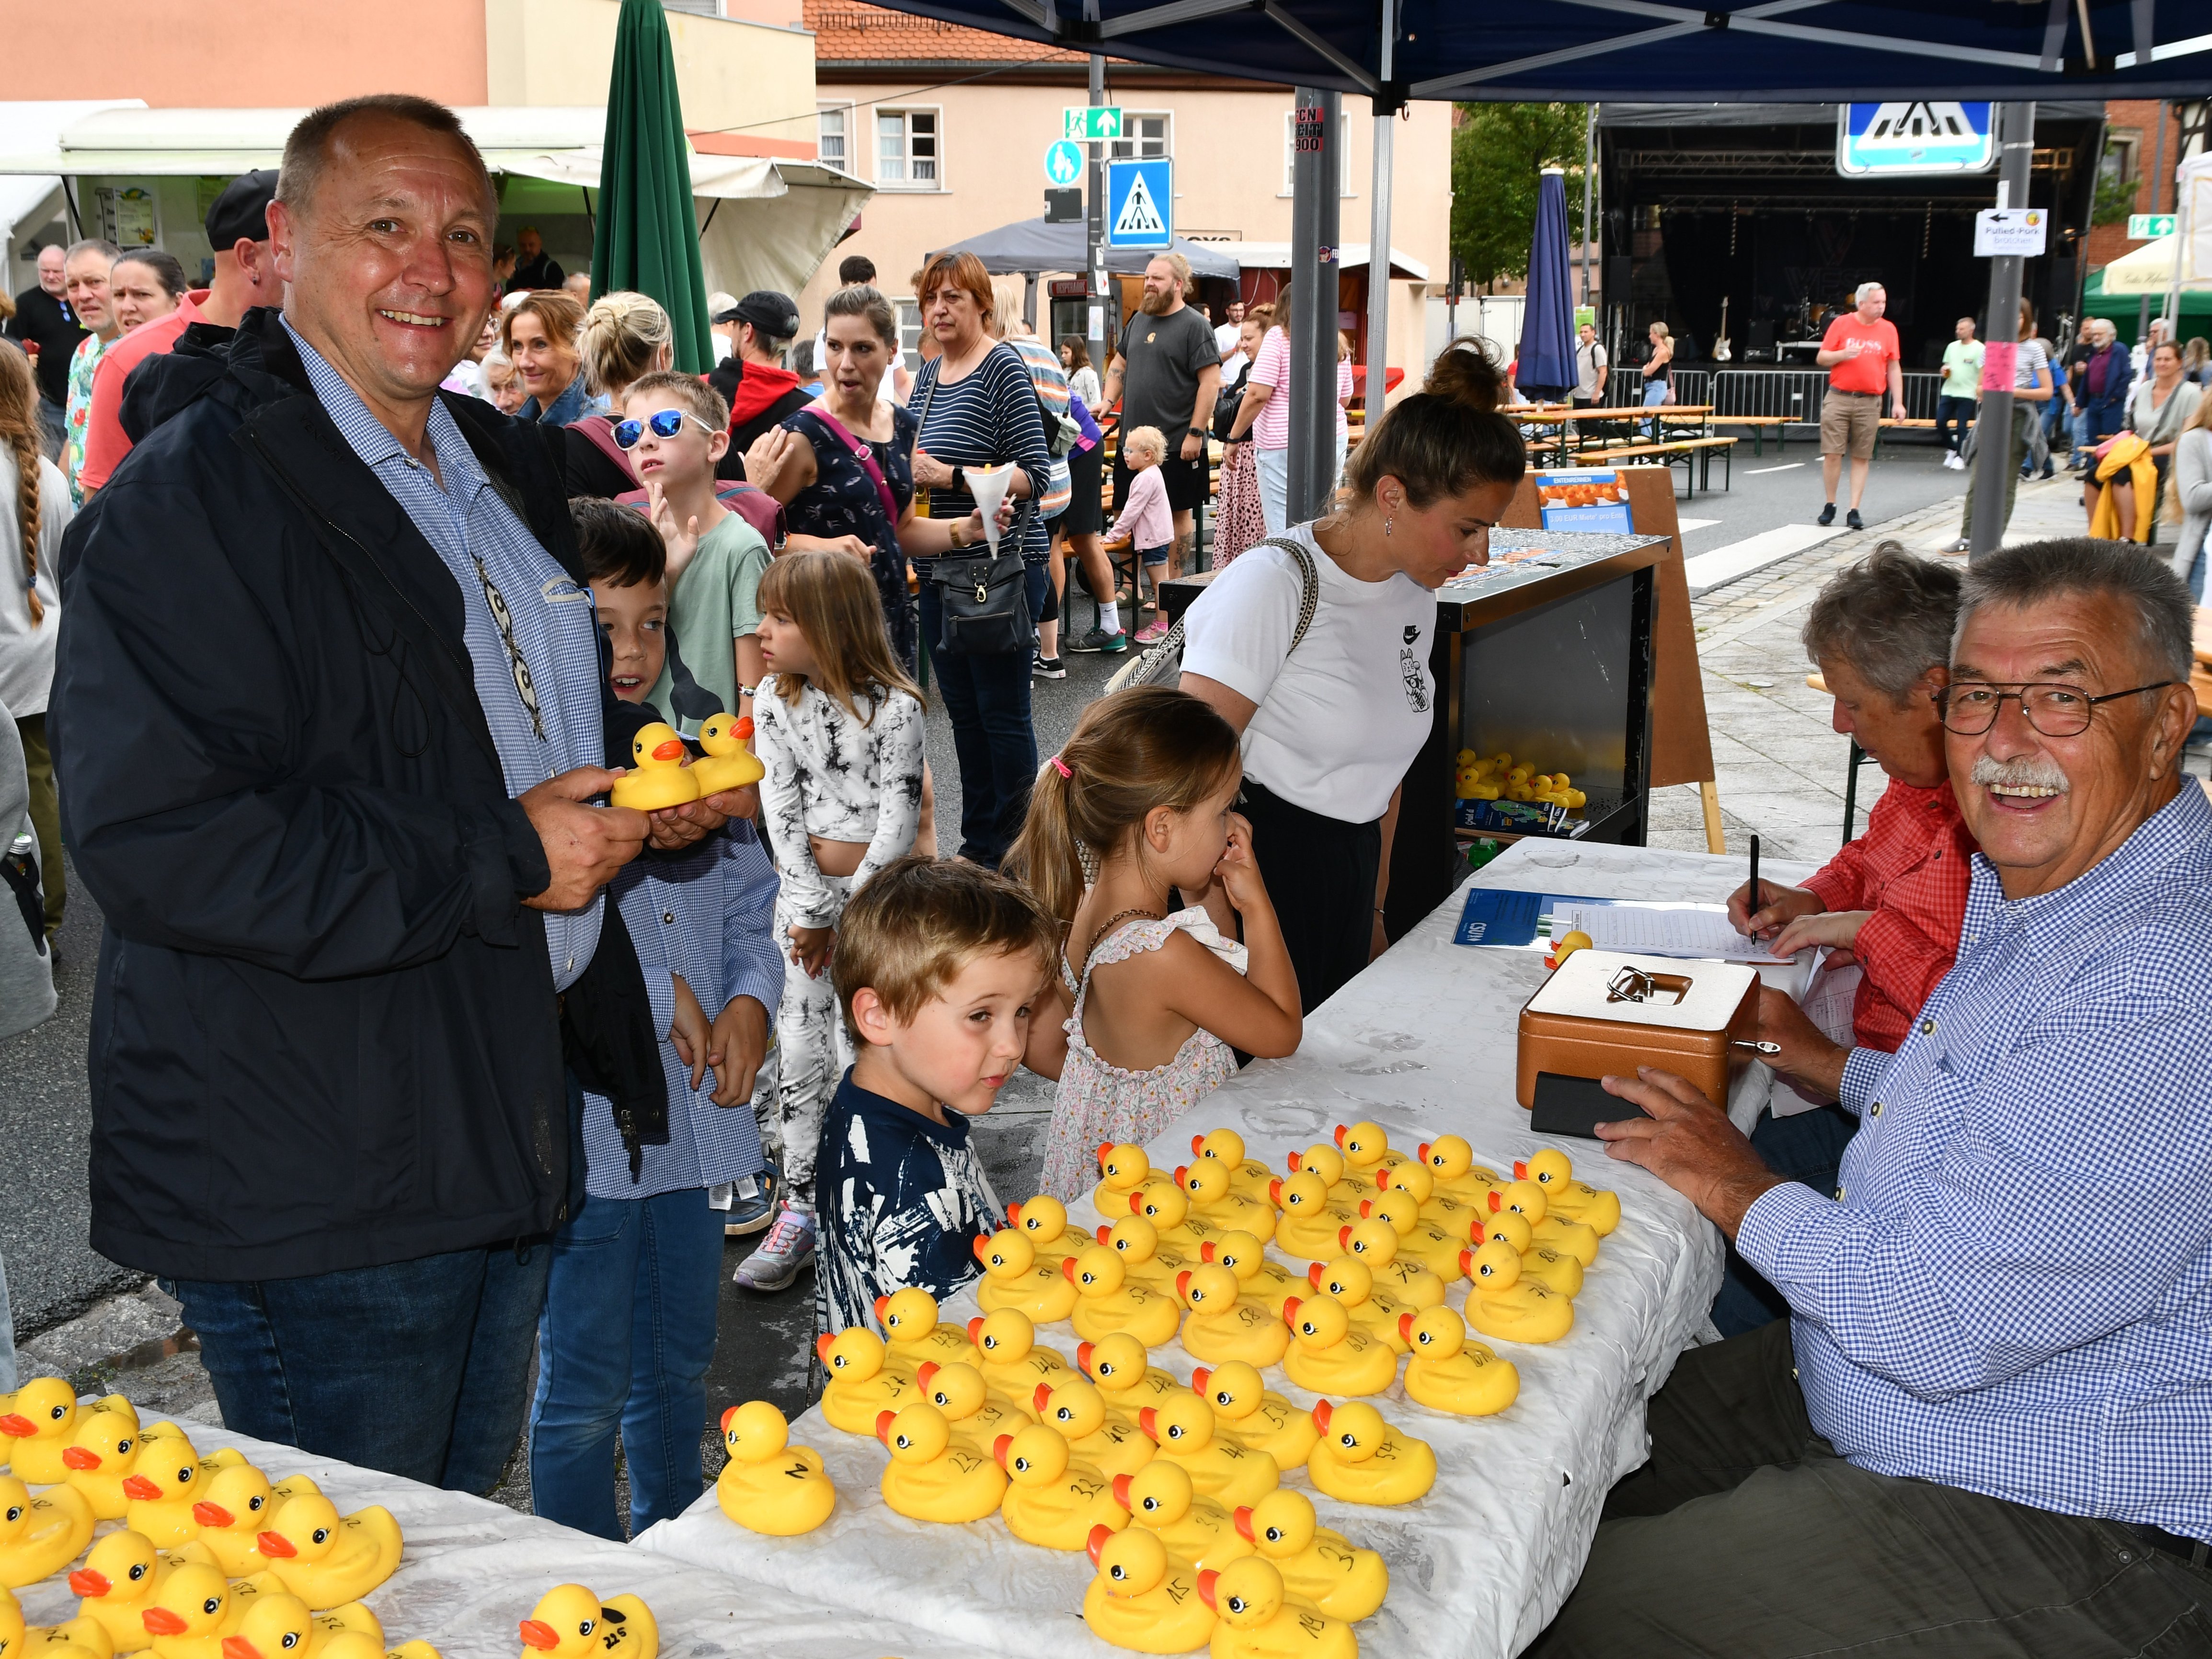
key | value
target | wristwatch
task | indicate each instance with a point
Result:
(1198, 431)
(959, 478)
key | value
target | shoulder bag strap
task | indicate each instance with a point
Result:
(1152, 665)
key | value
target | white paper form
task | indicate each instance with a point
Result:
(1700, 932)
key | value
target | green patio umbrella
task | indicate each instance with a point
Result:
(646, 238)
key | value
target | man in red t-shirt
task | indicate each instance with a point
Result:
(1860, 352)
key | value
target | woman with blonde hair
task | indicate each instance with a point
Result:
(1658, 374)
(34, 509)
(538, 334)
(2192, 482)
(624, 337)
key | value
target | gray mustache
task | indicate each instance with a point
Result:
(2027, 771)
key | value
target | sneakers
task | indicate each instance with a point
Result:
(748, 1215)
(1852, 519)
(1046, 668)
(1153, 632)
(1955, 461)
(788, 1247)
(1827, 514)
(1099, 640)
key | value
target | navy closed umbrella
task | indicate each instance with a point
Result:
(1546, 365)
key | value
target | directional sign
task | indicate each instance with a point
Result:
(1140, 203)
(1906, 137)
(2019, 232)
(2150, 227)
(1063, 162)
(1091, 122)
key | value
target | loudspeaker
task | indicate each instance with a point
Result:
(1617, 279)
(1063, 207)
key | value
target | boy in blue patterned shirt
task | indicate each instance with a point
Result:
(938, 966)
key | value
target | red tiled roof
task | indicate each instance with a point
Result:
(846, 32)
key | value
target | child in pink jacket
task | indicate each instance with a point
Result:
(1146, 517)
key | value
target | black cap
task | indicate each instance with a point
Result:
(241, 212)
(775, 315)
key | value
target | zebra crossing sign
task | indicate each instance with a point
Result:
(1905, 136)
(1140, 203)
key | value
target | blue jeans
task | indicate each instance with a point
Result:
(1806, 1147)
(418, 1368)
(625, 1340)
(1654, 393)
(1952, 415)
(988, 699)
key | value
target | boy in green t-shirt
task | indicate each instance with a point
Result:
(1962, 388)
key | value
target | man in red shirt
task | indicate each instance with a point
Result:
(1860, 352)
(238, 230)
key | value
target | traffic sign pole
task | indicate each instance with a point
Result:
(1993, 421)
(1096, 226)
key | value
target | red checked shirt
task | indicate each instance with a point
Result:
(1911, 869)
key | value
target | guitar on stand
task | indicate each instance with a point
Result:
(1721, 351)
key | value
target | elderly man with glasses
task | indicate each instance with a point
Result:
(1987, 1427)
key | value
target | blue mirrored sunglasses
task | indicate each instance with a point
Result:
(664, 422)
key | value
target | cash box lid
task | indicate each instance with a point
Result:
(1661, 992)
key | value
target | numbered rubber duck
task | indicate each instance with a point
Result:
(770, 1486)
(1106, 1440)
(1142, 1598)
(1144, 1258)
(1343, 1581)
(1220, 1324)
(1162, 1203)
(1361, 1459)
(325, 1558)
(1122, 1370)
(658, 776)
(1571, 1199)
(39, 1536)
(1014, 1278)
(1266, 1280)
(1107, 1300)
(1124, 1168)
(913, 1334)
(1214, 1195)
(102, 1454)
(1568, 1237)
(1329, 1356)
(194, 1609)
(163, 1485)
(349, 1631)
(1367, 1151)
(1374, 1242)
(933, 1475)
(1419, 1239)
(78, 1638)
(1248, 1175)
(570, 1622)
(862, 1384)
(1447, 1373)
(117, 1583)
(1259, 1618)
(976, 1415)
(1324, 1160)
(1451, 1163)
(1220, 1466)
(1346, 1281)
(1010, 1361)
(38, 1423)
(1160, 1499)
(1503, 1305)
(728, 762)
(1053, 1498)
(1043, 1222)
(1264, 1421)
(1448, 1215)
(234, 1506)
(1553, 1269)
(1310, 1224)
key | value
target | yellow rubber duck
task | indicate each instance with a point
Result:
(1011, 1361)
(1374, 1241)
(1014, 1278)
(1343, 1581)
(117, 1583)
(1261, 1620)
(1551, 1268)
(277, 1625)
(1419, 1240)
(39, 1421)
(1106, 1440)
(861, 1385)
(232, 1507)
(1448, 1215)
(658, 776)
(1348, 1283)
(1264, 1421)
(1325, 1159)
(1502, 1304)
(975, 1414)
(163, 1485)
(1160, 1499)
(1312, 1224)
(770, 1486)
(323, 1559)
(349, 1631)
(1053, 1499)
(728, 764)
(1451, 1163)
(1367, 1150)
(933, 1475)
(1107, 1300)
(1248, 1175)
(40, 1536)
(102, 1454)
(1123, 1371)
(1213, 1196)
(195, 1609)
(78, 1638)
(571, 1622)
(1566, 944)
(1265, 1280)
(1329, 1355)
(1447, 1373)
(1144, 1258)
(1043, 1222)
(1142, 1599)
(1220, 1466)
(1569, 1199)
(1568, 1237)
(1125, 1168)
(912, 1332)
(1221, 1324)
(1161, 1202)
(1361, 1459)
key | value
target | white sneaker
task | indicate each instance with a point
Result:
(1955, 461)
(788, 1248)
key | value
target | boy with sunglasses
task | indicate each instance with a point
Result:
(675, 427)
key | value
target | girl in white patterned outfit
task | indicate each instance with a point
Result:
(1138, 804)
(838, 727)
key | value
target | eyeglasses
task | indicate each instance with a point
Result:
(1970, 708)
(664, 422)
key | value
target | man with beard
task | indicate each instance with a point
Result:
(1988, 1424)
(1166, 373)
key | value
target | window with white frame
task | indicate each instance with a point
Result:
(907, 152)
(1343, 150)
(908, 312)
(1143, 134)
(832, 134)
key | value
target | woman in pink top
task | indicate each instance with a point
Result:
(1146, 518)
(1266, 414)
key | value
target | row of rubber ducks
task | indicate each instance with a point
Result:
(662, 775)
(1500, 777)
(197, 1613)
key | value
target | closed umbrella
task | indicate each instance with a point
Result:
(646, 238)
(1547, 331)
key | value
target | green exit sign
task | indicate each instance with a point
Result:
(2150, 227)
(1091, 122)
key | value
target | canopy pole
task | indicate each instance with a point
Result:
(1378, 233)
(1589, 167)
(2157, 191)
(1316, 192)
(1993, 455)
(1094, 216)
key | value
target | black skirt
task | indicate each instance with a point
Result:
(1086, 477)
(1320, 874)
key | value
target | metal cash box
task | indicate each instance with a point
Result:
(1605, 1013)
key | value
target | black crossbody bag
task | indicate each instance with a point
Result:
(985, 598)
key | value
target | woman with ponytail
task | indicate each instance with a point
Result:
(34, 509)
(1331, 717)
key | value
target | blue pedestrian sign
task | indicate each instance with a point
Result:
(1140, 203)
(1063, 161)
(1905, 136)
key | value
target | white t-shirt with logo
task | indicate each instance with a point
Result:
(1340, 718)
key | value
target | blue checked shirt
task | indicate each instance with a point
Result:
(707, 915)
(465, 521)
(2011, 1291)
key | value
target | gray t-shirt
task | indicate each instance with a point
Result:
(1162, 358)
